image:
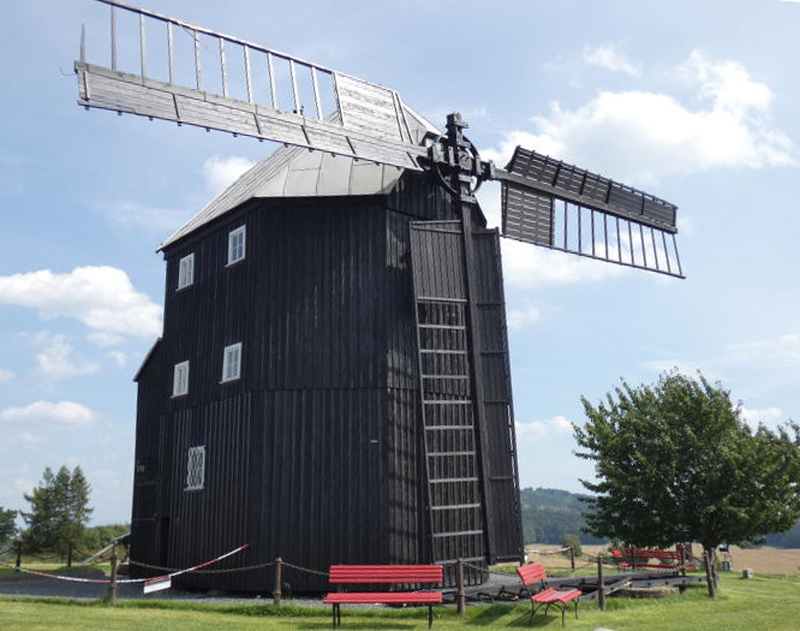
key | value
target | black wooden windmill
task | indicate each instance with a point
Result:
(332, 384)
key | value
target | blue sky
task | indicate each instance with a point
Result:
(695, 101)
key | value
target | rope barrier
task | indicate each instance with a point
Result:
(304, 569)
(77, 579)
(545, 553)
(246, 568)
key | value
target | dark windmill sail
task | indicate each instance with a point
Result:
(333, 383)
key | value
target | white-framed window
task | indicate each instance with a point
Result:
(186, 271)
(196, 468)
(232, 362)
(180, 381)
(236, 244)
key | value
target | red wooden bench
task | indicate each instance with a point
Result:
(534, 573)
(640, 557)
(344, 575)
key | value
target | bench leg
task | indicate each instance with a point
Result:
(430, 616)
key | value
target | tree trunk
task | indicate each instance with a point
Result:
(709, 557)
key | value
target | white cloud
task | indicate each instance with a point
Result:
(520, 318)
(54, 358)
(151, 219)
(6, 375)
(222, 172)
(103, 298)
(537, 430)
(62, 413)
(607, 56)
(640, 137)
(529, 266)
(104, 339)
(119, 358)
(781, 352)
(767, 416)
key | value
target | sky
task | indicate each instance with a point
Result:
(694, 101)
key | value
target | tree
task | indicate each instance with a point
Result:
(59, 512)
(675, 462)
(8, 526)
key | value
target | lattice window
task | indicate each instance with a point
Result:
(236, 245)
(186, 271)
(196, 468)
(232, 362)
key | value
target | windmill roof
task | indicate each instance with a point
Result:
(300, 172)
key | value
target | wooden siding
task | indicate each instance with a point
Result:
(315, 453)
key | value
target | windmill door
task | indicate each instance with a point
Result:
(473, 494)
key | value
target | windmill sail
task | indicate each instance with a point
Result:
(560, 206)
(362, 120)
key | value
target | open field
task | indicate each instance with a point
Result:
(763, 560)
(759, 604)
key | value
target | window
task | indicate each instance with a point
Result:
(196, 468)
(186, 271)
(236, 245)
(180, 383)
(232, 362)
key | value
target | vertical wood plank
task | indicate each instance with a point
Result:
(142, 44)
(222, 67)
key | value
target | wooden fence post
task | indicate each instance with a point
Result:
(601, 588)
(461, 599)
(19, 555)
(572, 558)
(276, 591)
(69, 555)
(112, 585)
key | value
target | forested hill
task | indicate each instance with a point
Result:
(547, 514)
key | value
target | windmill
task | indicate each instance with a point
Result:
(332, 384)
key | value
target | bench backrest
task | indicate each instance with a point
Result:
(657, 554)
(386, 574)
(531, 573)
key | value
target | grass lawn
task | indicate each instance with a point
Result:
(762, 603)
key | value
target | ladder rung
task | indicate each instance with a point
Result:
(443, 427)
(456, 507)
(449, 327)
(449, 480)
(448, 402)
(445, 376)
(472, 560)
(441, 351)
(462, 533)
(441, 454)
(459, 301)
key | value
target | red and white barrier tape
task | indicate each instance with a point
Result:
(75, 579)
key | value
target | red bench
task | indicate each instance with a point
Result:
(344, 575)
(640, 557)
(534, 573)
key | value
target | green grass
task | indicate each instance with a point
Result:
(758, 604)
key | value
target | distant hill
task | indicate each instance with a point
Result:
(547, 514)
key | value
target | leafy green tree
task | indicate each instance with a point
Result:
(8, 526)
(675, 462)
(59, 512)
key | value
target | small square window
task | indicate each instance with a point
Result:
(232, 362)
(180, 382)
(186, 271)
(236, 243)
(196, 468)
